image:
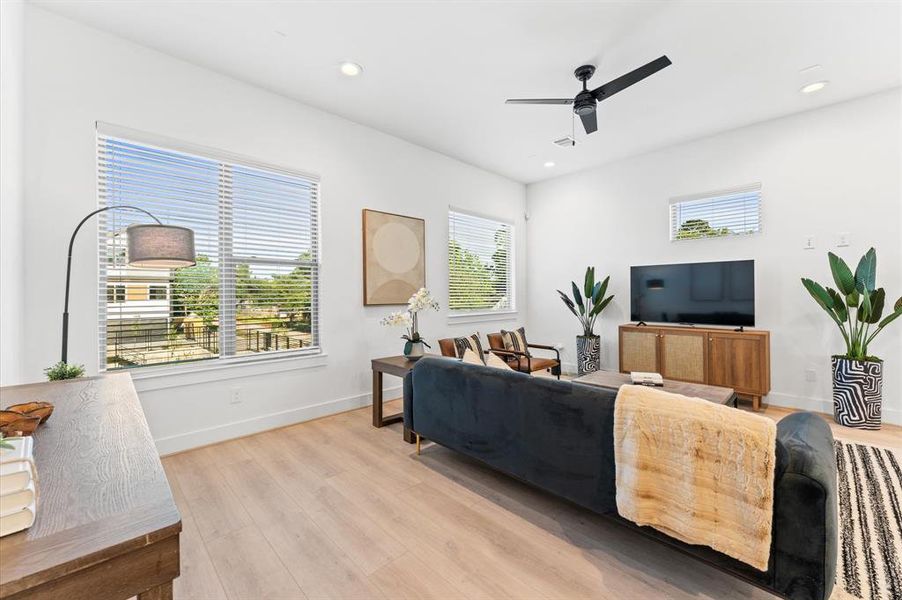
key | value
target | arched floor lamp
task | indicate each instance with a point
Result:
(153, 246)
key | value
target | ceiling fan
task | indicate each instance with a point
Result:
(585, 102)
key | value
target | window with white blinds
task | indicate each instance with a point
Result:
(254, 288)
(718, 214)
(480, 264)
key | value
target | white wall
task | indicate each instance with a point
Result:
(12, 199)
(822, 172)
(78, 75)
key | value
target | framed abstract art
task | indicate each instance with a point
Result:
(394, 257)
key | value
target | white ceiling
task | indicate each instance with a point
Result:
(437, 73)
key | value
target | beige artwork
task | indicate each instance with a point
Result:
(394, 257)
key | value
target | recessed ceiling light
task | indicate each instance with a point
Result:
(814, 87)
(549, 163)
(351, 69)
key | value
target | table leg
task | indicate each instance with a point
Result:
(409, 436)
(161, 592)
(377, 398)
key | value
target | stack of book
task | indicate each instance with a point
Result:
(18, 486)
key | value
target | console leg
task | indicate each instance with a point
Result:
(418, 443)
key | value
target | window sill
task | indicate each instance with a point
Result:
(162, 377)
(479, 317)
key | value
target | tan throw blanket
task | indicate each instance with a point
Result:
(700, 472)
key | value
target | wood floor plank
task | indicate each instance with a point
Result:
(216, 509)
(409, 578)
(249, 568)
(335, 508)
(199, 579)
(471, 568)
(367, 543)
(320, 568)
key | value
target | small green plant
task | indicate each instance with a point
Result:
(856, 305)
(587, 309)
(63, 370)
(4, 442)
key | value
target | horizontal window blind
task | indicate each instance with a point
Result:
(480, 264)
(254, 289)
(718, 214)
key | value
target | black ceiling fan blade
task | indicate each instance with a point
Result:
(635, 76)
(539, 101)
(590, 121)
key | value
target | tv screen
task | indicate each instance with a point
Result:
(710, 293)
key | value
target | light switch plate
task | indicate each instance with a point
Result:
(842, 239)
(809, 242)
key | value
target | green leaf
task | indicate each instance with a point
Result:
(853, 299)
(596, 293)
(589, 284)
(819, 294)
(866, 272)
(601, 306)
(839, 306)
(842, 274)
(578, 298)
(568, 302)
(898, 304)
(604, 286)
(864, 311)
(878, 298)
(890, 318)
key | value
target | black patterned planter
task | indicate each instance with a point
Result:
(857, 392)
(588, 353)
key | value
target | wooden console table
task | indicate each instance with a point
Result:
(398, 366)
(107, 527)
(709, 355)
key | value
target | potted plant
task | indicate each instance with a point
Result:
(586, 307)
(421, 300)
(63, 370)
(857, 307)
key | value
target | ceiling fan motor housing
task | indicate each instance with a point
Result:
(584, 103)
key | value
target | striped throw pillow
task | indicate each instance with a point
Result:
(515, 340)
(471, 342)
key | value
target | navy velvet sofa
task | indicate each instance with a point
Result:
(558, 436)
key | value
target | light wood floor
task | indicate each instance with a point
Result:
(335, 508)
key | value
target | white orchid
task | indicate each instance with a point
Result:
(421, 300)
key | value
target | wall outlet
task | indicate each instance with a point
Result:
(235, 396)
(842, 239)
(809, 242)
(810, 375)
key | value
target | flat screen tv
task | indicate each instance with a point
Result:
(709, 293)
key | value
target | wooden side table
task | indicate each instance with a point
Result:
(398, 366)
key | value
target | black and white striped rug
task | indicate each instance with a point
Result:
(869, 562)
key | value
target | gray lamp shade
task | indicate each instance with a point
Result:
(160, 246)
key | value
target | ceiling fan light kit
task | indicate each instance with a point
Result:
(586, 102)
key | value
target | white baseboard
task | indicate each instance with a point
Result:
(822, 406)
(227, 431)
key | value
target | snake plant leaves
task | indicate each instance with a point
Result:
(842, 274)
(578, 298)
(839, 305)
(819, 294)
(866, 272)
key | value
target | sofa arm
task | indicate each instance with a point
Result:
(805, 528)
(408, 400)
